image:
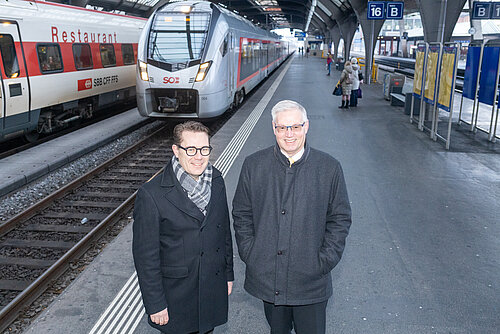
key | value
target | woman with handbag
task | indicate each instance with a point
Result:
(346, 79)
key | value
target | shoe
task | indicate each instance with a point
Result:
(328, 74)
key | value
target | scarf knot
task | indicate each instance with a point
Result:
(199, 192)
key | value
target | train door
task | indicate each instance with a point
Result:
(15, 89)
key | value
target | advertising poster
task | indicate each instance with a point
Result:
(431, 73)
(489, 73)
(471, 72)
(447, 79)
(419, 71)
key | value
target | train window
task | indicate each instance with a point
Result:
(9, 57)
(82, 56)
(108, 56)
(128, 54)
(224, 45)
(49, 57)
(178, 38)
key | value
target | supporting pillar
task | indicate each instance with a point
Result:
(371, 30)
(435, 30)
(335, 34)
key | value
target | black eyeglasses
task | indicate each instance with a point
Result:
(191, 150)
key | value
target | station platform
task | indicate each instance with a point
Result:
(22, 168)
(422, 253)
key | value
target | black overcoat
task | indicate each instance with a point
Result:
(183, 259)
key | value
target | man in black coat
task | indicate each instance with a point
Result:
(182, 242)
(291, 219)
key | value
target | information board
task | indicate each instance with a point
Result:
(471, 72)
(431, 73)
(447, 77)
(489, 73)
(419, 70)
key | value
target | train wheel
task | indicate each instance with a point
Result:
(32, 136)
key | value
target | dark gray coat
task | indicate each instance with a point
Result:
(183, 259)
(291, 224)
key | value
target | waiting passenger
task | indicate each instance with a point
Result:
(346, 80)
(357, 80)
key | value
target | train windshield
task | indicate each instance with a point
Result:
(177, 38)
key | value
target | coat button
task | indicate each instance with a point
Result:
(277, 293)
(201, 254)
(218, 249)
(283, 212)
(218, 225)
(280, 252)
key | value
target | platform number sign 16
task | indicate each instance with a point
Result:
(376, 10)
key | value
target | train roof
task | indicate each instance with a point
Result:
(22, 9)
(233, 18)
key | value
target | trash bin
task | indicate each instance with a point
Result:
(339, 65)
(392, 83)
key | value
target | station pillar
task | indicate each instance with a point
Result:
(335, 36)
(439, 22)
(371, 29)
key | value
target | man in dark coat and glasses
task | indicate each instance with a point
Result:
(182, 242)
(291, 219)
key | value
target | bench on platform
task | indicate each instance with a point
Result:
(397, 99)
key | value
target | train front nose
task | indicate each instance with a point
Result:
(171, 92)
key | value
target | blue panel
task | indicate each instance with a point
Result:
(376, 10)
(394, 10)
(489, 73)
(495, 12)
(471, 71)
(481, 10)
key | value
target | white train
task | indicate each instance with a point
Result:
(197, 59)
(60, 63)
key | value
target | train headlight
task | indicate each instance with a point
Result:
(143, 68)
(202, 72)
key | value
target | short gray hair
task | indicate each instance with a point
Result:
(288, 105)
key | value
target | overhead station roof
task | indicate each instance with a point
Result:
(313, 16)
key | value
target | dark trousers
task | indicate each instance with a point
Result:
(305, 319)
(354, 98)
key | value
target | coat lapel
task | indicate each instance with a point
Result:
(176, 195)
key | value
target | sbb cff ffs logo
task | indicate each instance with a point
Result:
(171, 80)
(84, 84)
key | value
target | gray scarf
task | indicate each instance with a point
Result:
(199, 192)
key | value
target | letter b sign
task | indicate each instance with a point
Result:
(394, 11)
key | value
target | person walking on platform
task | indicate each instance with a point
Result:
(356, 81)
(346, 80)
(182, 244)
(291, 218)
(329, 61)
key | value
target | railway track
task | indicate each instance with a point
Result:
(38, 244)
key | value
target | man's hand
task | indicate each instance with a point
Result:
(229, 288)
(160, 318)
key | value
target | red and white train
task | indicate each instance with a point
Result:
(60, 63)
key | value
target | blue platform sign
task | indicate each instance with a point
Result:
(376, 10)
(495, 12)
(489, 74)
(481, 10)
(300, 34)
(471, 72)
(394, 10)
